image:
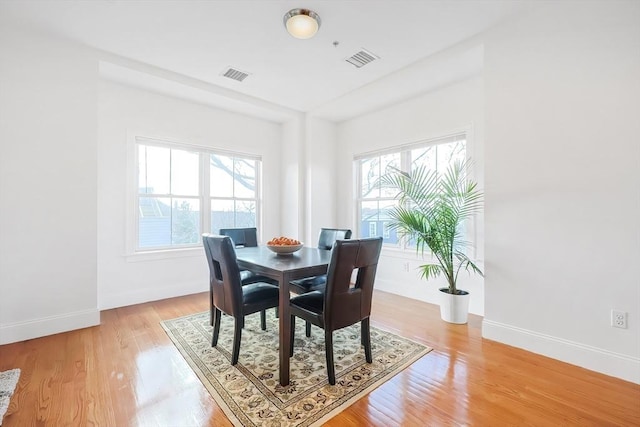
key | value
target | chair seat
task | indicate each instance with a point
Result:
(312, 302)
(258, 293)
(247, 277)
(308, 284)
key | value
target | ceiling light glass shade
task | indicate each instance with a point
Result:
(302, 23)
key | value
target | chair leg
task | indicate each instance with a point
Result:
(307, 329)
(211, 304)
(237, 334)
(263, 320)
(328, 348)
(215, 319)
(292, 335)
(366, 339)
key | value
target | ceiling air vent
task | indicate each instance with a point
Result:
(362, 58)
(235, 74)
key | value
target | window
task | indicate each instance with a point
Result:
(386, 232)
(373, 229)
(373, 201)
(176, 187)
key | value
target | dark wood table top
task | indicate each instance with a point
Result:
(304, 261)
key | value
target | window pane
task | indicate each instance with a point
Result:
(374, 220)
(185, 172)
(387, 163)
(221, 180)
(185, 221)
(369, 214)
(245, 178)
(423, 157)
(370, 172)
(245, 214)
(222, 215)
(450, 153)
(142, 169)
(389, 236)
(154, 169)
(154, 222)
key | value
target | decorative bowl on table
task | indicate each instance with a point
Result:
(284, 245)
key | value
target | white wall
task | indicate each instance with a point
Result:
(47, 187)
(320, 178)
(441, 112)
(563, 184)
(125, 112)
(292, 179)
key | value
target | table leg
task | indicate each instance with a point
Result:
(285, 324)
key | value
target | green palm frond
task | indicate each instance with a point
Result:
(430, 270)
(431, 211)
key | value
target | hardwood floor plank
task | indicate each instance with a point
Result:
(126, 372)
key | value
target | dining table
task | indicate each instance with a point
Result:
(306, 262)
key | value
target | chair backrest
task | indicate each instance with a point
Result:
(328, 236)
(345, 304)
(224, 276)
(242, 237)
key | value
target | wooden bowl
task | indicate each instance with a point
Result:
(285, 249)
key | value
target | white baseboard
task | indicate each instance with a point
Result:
(421, 291)
(592, 358)
(139, 296)
(35, 328)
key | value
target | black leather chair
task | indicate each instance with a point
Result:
(228, 295)
(246, 238)
(342, 304)
(326, 239)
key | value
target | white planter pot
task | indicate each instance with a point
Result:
(454, 308)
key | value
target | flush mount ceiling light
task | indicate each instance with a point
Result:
(302, 23)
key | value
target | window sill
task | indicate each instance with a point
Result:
(164, 254)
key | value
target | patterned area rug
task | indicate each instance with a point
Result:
(8, 381)
(250, 393)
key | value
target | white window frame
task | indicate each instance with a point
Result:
(402, 246)
(133, 252)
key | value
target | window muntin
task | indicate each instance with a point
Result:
(374, 202)
(177, 184)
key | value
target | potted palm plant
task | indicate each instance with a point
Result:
(431, 212)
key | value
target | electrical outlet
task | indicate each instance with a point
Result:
(619, 319)
(406, 266)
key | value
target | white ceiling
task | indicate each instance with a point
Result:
(192, 42)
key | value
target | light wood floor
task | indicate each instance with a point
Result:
(126, 372)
